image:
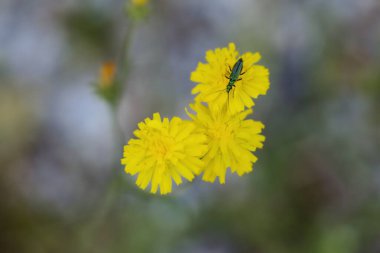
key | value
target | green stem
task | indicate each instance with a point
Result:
(116, 182)
(123, 61)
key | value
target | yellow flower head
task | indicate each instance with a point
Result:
(213, 77)
(140, 2)
(164, 150)
(107, 74)
(231, 140)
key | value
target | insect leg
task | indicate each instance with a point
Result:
(229, 70)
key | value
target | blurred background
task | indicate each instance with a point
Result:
(315, 187)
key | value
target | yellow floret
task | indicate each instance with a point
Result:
(164, 150)
(231, 140)
(212, 79)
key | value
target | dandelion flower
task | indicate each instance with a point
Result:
(164, 150)
(231, 140)
(212, 78)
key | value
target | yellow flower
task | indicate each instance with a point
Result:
(164, 150)
(139, 2)
(231, 140)
(212, 78)
(107, 74)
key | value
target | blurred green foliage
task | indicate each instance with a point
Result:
(89, 29)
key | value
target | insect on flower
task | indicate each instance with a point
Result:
(221, 63)
(234, 75)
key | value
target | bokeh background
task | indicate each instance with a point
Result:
(315, 188)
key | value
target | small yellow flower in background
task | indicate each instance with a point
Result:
(107, 74)
(137, 9)
(231, 140)
(107, 86)
(212, 79)
(139, 2)
(164, 150)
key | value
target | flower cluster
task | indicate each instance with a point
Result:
(218, 136)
